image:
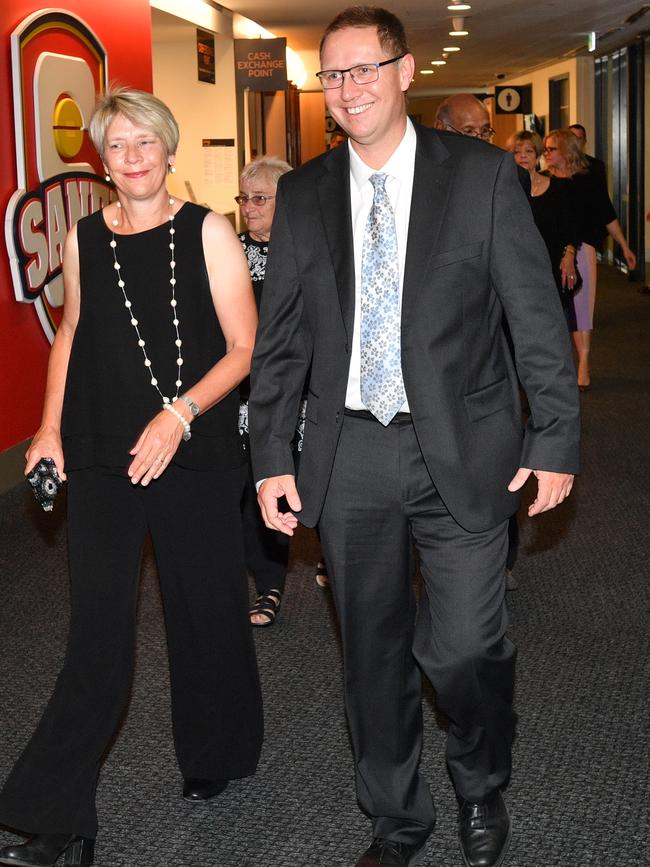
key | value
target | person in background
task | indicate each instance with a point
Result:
(267, 551)
(337, 138)
(555, 216)
(140, 415)
(596, 166)
(564, 159)
(393, 260)
(465, 114)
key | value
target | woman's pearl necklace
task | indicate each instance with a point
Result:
(134, 322)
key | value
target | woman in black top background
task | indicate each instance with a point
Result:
(140, 415)
(564, 159)
(555, 216)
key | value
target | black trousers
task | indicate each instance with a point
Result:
(266, 551)
(195, 525)
(380, 501)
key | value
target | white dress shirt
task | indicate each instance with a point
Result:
(400, 169)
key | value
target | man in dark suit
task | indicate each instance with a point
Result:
(413, 432)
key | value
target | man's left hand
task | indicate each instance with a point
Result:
(552, 488)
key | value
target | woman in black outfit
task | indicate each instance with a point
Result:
(267, 551)
(555, 216)
(141, 414)
(597, 219)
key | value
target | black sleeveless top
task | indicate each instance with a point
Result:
(108, 394)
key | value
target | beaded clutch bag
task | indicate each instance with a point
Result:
(45, 482)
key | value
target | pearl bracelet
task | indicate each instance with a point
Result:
(187, 433)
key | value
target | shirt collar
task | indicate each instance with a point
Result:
(399, 164)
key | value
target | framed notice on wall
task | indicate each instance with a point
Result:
(205, 55)
(219, 161)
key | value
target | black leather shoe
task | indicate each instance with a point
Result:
(202, 790)
(388, 853)
(44, 850)
(484, 832)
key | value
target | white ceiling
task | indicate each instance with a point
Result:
(507, 37)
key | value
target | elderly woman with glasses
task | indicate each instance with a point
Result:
(564, 159)
(267, 552)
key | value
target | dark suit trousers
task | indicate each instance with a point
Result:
(380, 500)
(195, 526)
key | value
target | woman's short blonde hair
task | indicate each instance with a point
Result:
(526, 135)
(269, 167)
(569, 147)
(138, 106)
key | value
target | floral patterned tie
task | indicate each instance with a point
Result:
(382, 386)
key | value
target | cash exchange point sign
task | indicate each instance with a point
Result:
(261, 64)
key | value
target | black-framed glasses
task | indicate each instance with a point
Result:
(364, 73)
(485, 132)
(254, 200)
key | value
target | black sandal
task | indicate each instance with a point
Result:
(322, 578)
(267, 604)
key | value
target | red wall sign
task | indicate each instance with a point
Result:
(52, 65)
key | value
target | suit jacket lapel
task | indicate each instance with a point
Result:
(334, 199)
(431, 186)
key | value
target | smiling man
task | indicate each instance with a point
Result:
(394, 258)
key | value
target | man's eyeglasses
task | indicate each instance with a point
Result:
(485, 132)
(254, 200)
(549, 150)
(365, 73)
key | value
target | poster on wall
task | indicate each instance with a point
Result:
(205, 55)
(219, 161)
(261, 64)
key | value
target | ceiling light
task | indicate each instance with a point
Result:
(451, 48)
(427, 71)
(438, 62)
(458, 7)
(458, 24)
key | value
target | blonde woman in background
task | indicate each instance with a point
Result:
(564, 159)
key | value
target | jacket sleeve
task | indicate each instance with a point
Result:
(521, 277)
(281, 357)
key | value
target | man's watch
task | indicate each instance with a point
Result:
(195, 409)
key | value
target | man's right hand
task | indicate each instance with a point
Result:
(271, 490)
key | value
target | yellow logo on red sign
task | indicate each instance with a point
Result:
(58, 67)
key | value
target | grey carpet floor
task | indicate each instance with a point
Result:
(580, 792)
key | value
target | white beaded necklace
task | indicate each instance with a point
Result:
(134, 322)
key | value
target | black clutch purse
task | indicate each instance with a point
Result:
(45, 482)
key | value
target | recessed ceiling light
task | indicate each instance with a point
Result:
(427, 71)
(438, 63)
(459, 32)
(452, 48)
